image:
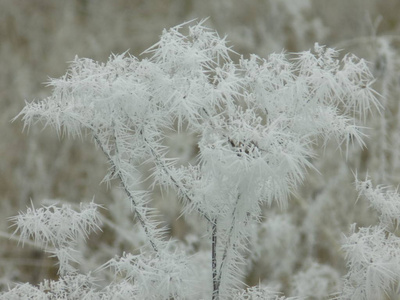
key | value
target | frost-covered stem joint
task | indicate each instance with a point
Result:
(229, 244)
(160, 163)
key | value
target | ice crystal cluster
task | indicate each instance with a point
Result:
(256, 121)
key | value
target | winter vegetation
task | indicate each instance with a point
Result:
(225, 175)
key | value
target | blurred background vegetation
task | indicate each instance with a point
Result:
(39, 37)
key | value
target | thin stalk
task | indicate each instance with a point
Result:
(216, 282)
(127, 191)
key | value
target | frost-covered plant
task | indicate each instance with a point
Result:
(59, 228)
(256, 120)
(74, 287)
(260, 293)
(373, 253)
(160, 274)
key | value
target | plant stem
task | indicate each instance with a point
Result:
(128, 192)
(216, 282)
